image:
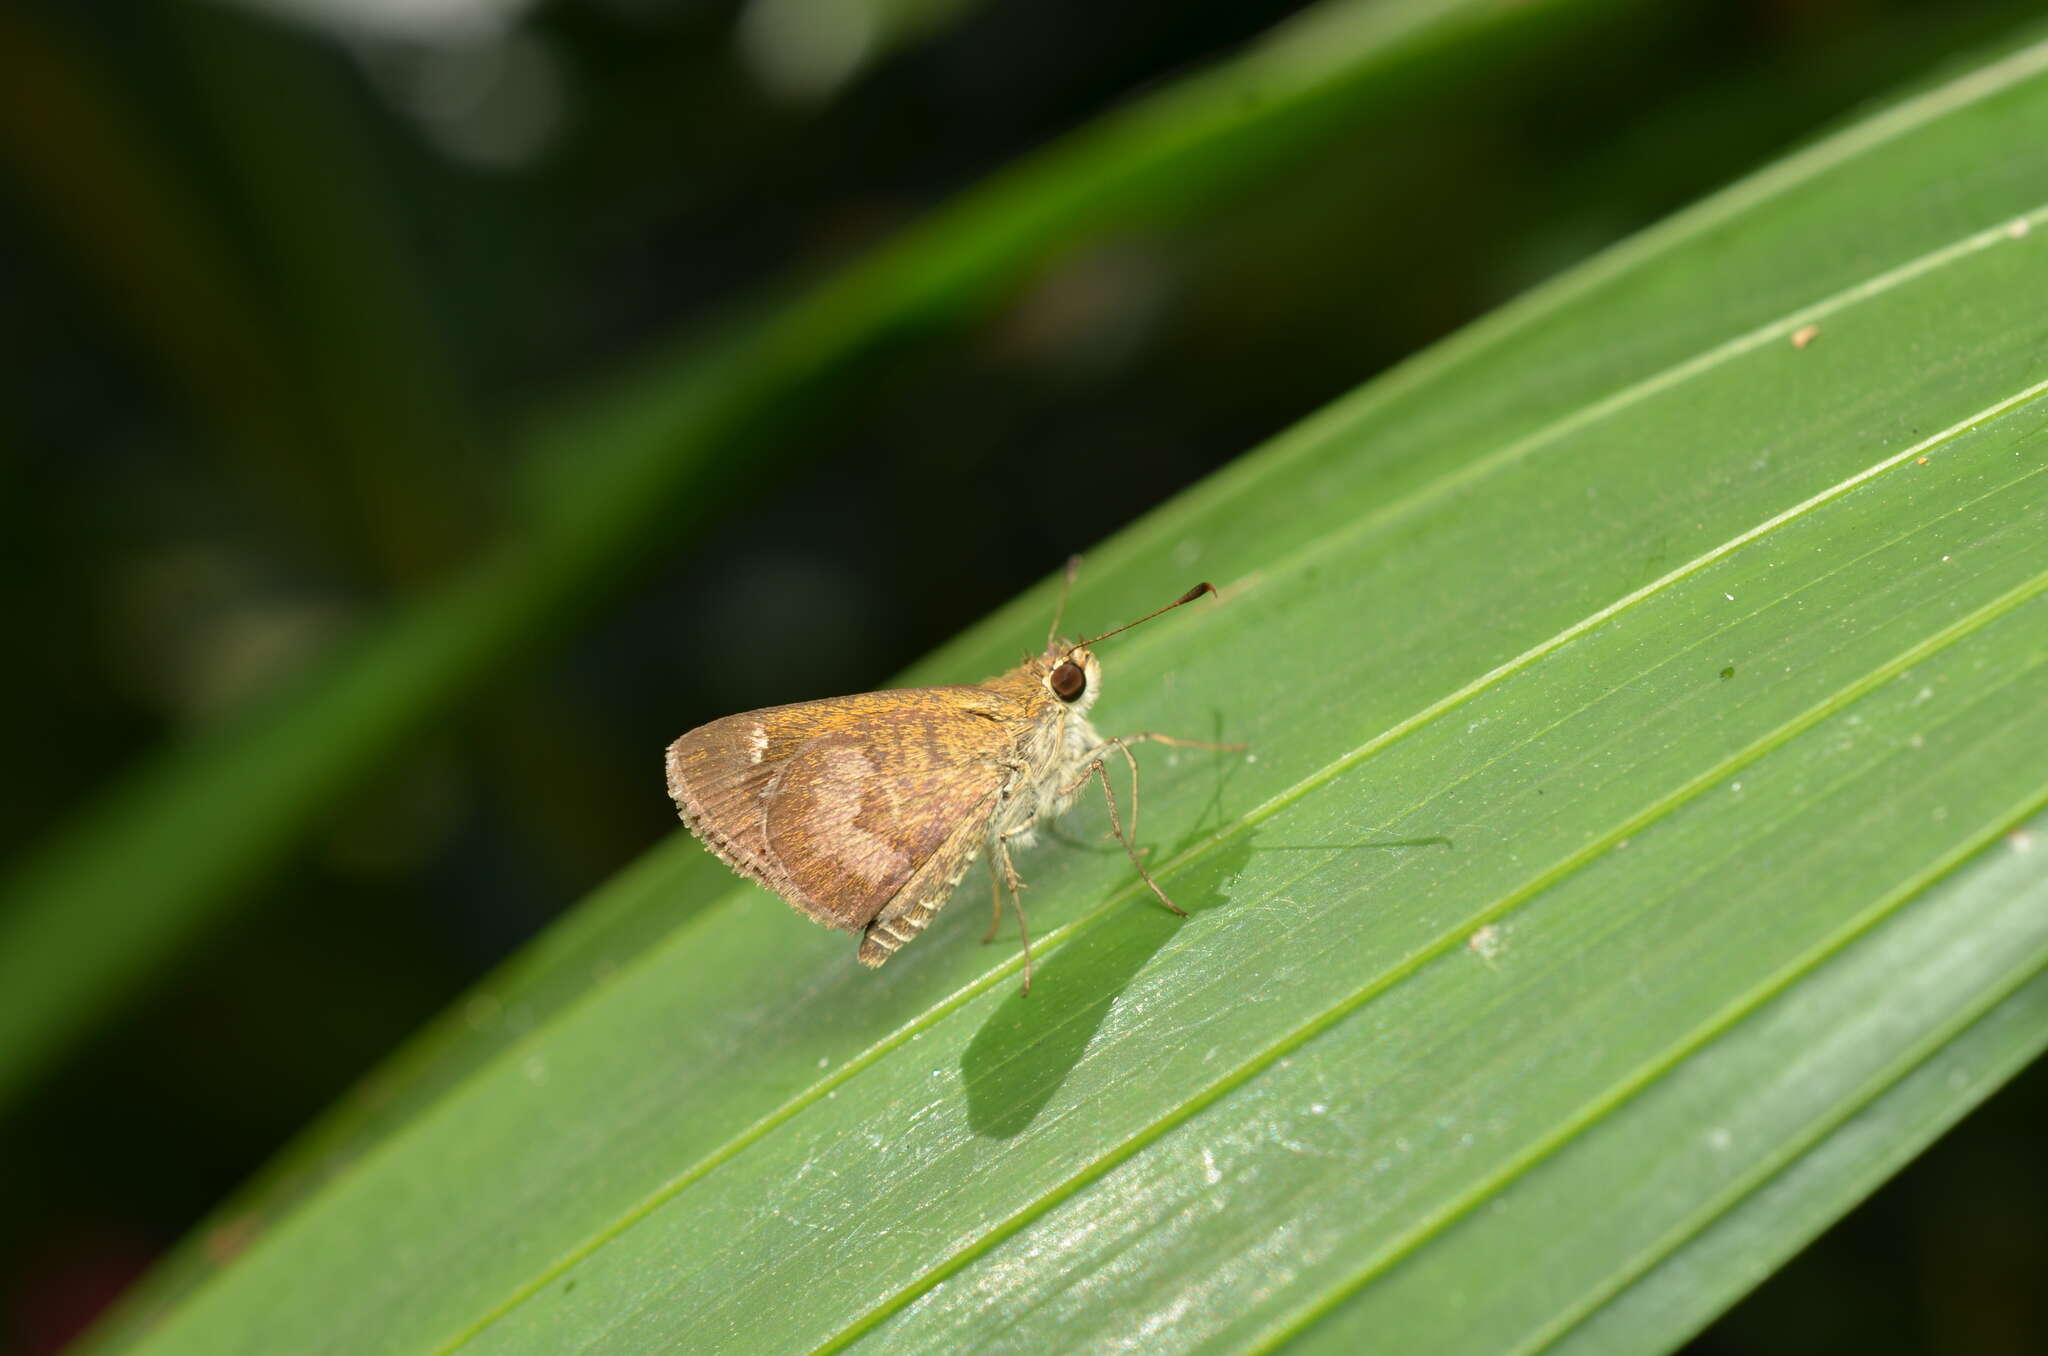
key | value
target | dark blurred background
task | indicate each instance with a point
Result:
(284, 278)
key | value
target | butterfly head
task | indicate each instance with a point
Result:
(1072, 674)
(1069, 670)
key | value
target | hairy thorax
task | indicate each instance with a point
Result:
(1050, 758)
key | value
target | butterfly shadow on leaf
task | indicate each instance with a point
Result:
(1027, 1049)
(1029, 1046)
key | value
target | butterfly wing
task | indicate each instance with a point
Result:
(922, 896)
(838, 805)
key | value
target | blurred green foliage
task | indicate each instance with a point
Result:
(318, 327)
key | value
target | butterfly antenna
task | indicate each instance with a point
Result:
(1182, 601)
(1066, 587)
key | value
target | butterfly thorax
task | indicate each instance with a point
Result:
(1053, 744)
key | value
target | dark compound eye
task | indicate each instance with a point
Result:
(1069, 681)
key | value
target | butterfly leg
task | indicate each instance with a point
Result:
(1100, 771)
(1123, 747)
(1122, 744)
(995, 896)
(1001, 848)
(1154, 737)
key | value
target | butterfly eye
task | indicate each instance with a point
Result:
(1069, 681)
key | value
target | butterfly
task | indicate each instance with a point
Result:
(864, 812)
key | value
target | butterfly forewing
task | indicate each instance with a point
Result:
(838, 805)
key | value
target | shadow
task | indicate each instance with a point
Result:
(1029, 1046)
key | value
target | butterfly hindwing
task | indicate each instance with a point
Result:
(911, 908)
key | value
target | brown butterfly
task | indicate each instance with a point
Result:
(864, 812)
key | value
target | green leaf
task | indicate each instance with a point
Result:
(103, 906)
(1639, 853)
